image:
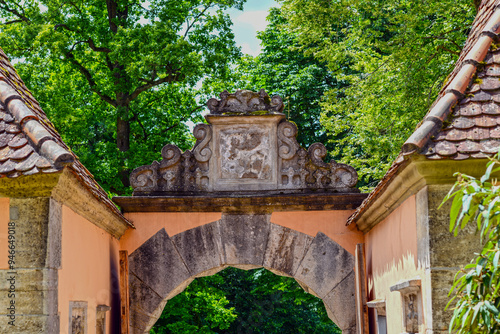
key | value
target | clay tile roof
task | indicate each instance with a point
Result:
(464, 122)
(29, 143)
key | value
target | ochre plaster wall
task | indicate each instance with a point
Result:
(89, 260)
(392, 256)
(4, 220)
(148, 223)
(331, 223)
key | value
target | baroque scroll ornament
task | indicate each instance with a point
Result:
(248, 144)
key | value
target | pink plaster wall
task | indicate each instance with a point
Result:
(393, 238)
(88, 255)
(391, 256)
(331, 223)
(4, 220)
(148, 223)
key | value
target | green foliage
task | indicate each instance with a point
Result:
(392, 57)
(117, 78)
(476, 287)
(282, 69)
(255, 301)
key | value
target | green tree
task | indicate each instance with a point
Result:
(116, 75)
(393, 57)
(476, 290)
(282, 69)
(255, 301)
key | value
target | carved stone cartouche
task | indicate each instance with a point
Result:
(251, 152)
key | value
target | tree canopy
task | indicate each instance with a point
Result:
(393, 57)
(117, 76)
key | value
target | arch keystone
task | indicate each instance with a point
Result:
(244, 239)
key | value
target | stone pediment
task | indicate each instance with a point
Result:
(247, 146)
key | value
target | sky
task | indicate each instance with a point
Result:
(246, 23)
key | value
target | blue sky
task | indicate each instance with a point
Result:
(246, 23)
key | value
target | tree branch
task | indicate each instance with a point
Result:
(150, 84)
(86, 73)
(96, 48)
(15, 12)
(196, 18)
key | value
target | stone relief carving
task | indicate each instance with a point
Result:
(244, 102)
(245, 153)
(247, 150)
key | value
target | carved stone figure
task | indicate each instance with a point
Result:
(245, 102)
(241, 151)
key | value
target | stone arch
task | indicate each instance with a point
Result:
(164, 266)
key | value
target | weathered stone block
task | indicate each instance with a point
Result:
(285, 249)
(325, 265)
(441, 281)
(342, 303)
(31, 216)
(244, 238)
(446, 250)
(140, 321)
(25, 324)
(200, 248)
(143, 299)
(158, 265)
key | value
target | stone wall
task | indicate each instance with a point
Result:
(447, 254)
(31, 282)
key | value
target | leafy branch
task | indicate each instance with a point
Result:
(476, 288)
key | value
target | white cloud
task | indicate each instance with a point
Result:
(249, 50)
(256, 18)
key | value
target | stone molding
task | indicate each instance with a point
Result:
(70, 192)
(243, 152)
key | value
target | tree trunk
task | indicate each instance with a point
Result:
(123, 129)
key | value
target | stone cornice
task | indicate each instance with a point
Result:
(70, 192)
(237, 203)
(412, 177)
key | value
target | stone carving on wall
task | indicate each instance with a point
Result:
(247, 146)
(411, 299)
(77, 317)
(245, 102)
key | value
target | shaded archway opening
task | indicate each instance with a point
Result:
(241, 301)
(164, 266)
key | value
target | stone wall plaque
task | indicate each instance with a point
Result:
(78, 317)
(247, 146)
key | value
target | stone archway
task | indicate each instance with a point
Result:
(163, 266)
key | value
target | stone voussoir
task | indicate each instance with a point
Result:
(324, 266)
(158, 265)
(285, 250)
(201, 249)
(341, 301)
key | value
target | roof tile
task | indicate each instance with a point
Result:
(468, 146)
(445, 148)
